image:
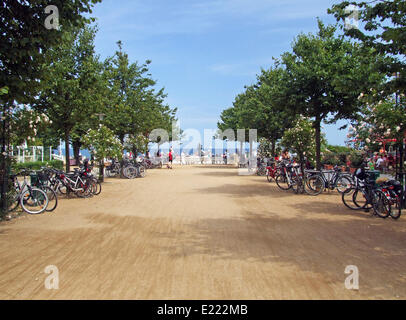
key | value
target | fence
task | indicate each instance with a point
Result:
(32, 154)
(205, 160)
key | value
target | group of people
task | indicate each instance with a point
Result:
(381, 162)
(171, 156)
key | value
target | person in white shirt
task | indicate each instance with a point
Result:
(380, 163)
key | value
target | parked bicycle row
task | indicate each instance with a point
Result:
(359, 191)
(130, 168)
(40, 192)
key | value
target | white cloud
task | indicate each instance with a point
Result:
(165, 17)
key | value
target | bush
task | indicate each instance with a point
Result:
(331, 158)
(57, 164)
(357, 158)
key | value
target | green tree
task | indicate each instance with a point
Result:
(301, 139)
(382, 27)
(325, 74)
(73, 85)
(260, 108)
(24, 40)
(135, 107)
(102, 143)
(379, 121)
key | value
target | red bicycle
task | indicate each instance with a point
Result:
(271, 172)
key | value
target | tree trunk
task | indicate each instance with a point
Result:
(135, 152)
(302, 164)
(67, 152)
(121, 137)
(101, 171)
(76, 151)
(317, 127)
(273, 147)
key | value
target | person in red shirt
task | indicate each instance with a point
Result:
(170, 158)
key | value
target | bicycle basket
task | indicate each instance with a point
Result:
(34, 179)
(38, 178)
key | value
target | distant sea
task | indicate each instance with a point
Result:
(217, 151)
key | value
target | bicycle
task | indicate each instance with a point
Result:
(40, 179)
(271, 172)
(32, 200)
(366, 195)
(284, 178)
(393, 192)
(317, 181)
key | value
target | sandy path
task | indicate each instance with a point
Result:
(202, 233)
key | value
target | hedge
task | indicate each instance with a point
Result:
(57, 164)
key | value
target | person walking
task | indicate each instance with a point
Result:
(170, 158)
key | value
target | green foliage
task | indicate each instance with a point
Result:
(138, 143)
(259, 108)
(73, 86)
(37, 165)
(325, 74)
(134, 105)
(384, 120)
(356, 157)
(25, 124)
(301, 139)
(24, 40)
(383, 26)
(102, 143)
(265, 148)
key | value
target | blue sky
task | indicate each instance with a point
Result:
(204, 52)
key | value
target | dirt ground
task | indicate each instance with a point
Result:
(202, 233)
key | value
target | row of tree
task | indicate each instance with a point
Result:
(54, 86)
(80, 94)
(325, 78)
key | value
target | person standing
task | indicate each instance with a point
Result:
(380, 163)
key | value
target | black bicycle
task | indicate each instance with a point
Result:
(319, 181)
(365, 195)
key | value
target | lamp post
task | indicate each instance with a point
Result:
(101, 163)
(180, 151)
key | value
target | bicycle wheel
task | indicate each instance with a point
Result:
(360, 199)
(268, 176)
(396, 212)
(343, 184)
(381, 204)
(62, 189)
(282, 182)
(297, 184)
(97, 187)
(34, 201)
(314, 185)
(141, 172)
(85, 189)
(52, 199)
(348, 199)
(130, 172)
